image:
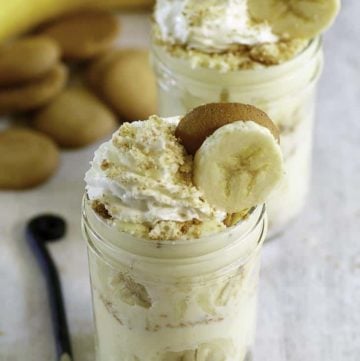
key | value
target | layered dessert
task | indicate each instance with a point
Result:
(174, 219)
(264, 53)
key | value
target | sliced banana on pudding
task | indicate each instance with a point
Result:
(295, 18)
(240, 161)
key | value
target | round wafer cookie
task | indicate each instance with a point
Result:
(27, 158)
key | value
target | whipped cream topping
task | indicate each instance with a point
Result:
(143, 176)
(210, 25)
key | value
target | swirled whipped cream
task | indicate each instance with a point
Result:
(142, 180)
(210, 25)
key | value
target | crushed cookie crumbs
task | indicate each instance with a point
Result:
(100, 209)
(238, 56)
(105, 164)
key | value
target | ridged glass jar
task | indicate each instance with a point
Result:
(286, 92)
(192, 300)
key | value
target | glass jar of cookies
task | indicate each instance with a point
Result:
(174, 300)
(286, 92)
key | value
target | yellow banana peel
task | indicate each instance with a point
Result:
(17, 16)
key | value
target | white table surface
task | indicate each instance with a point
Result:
(309, 306)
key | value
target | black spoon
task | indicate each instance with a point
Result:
(40, 230)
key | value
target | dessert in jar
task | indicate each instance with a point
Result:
(264, 53)
(174, 218)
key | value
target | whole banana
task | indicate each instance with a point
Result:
(17, 16)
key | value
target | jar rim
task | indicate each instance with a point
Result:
(183, 66)
(145, 247)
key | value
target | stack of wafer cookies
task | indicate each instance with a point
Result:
(37, 80)
(30, 74)
(124, 79)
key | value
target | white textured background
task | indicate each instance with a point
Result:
(309, 307)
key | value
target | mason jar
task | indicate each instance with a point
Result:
(286, 92)
(192, 300)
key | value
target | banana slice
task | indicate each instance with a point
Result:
(295, 18)
(238, 166)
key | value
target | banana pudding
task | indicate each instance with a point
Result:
(267, 54)
(174, 219)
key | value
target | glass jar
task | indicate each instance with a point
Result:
(192, 300)
(286, 92)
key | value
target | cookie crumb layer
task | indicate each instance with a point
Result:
(238, 56)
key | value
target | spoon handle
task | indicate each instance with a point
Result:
(55, 297)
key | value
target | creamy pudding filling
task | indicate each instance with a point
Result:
(214, 305)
